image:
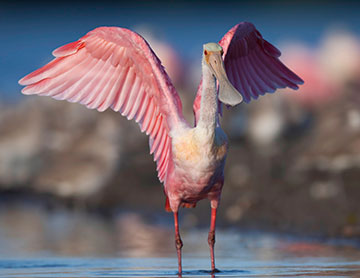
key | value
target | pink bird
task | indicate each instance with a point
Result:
(115, 68)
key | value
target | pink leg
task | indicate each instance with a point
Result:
(178, 242)
(211, 239)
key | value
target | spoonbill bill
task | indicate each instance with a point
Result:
(112, 67)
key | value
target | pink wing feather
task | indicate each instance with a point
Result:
(114, 67)
(252, 64)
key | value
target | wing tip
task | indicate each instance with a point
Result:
(27, 79)
(295, 79)
(22, 81)
(23, 91)
(68, 49)
(300, 81)
(27, 91)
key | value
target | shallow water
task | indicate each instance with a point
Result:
(35, 243)
(164, 267)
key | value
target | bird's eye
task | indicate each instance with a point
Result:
(205, 52)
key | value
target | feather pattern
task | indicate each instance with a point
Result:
(115, 68)
(252, 65)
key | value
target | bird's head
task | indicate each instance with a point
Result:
(213, 59)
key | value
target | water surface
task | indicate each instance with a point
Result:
(165, 267)
(36, 243)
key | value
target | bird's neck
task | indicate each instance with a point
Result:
(209, 103)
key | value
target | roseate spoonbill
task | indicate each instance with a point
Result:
(115, 68)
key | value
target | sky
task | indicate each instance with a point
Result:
(30, 30)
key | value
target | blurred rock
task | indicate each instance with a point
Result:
(20, 143)
(304, 183)
(58, 147)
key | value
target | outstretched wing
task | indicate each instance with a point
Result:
(114, 67)
(252, 64)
